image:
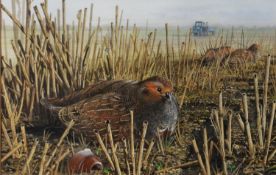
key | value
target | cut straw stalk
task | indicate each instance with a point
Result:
(11, 152)
(14, 74)
(23, 132)
(141, 148)
(267, 66)
(21, 27)
(6, 135)
(64, 21)
(115, 158)
(217, 121)
(241, 123)
(203, 169)
(269, 133)
(126, 156)
(82, 33)
(57, 162)
(145, 162)
(43, 159)
(99, 138)
(185, 165)
(27, 26)
(21, 64)
(160, 141)
(30, 157)
(90, 19)
(247, 126)
(229, 134)
(58, 47)
(222, 145)
(11, 115)
(15, 29)
(259, 118)
(132, 153)
(19, 111)
(206, 152)
(167, 62)
(220, 104)
(271, 156)
(65, 133)
(211, 147)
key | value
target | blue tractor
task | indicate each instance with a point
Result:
(201, 28)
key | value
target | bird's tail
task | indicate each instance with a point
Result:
(52, 108)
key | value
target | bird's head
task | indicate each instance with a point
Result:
(254, 47)
(155, 89)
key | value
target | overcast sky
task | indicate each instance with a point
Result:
(174, 12)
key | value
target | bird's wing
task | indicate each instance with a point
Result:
(91, 114)
(90, 91)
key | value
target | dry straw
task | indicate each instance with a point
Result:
(247, 127)
(259, 117)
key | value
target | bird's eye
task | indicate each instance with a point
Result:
(159, 89)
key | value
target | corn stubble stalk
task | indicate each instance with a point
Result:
(200, 161)
(65, 133)
(241, 123)
(141, 148)
(145, 163)
(11, 152)
(269, 132)
(23, 132)
(30, 157)
(259, 117)
(206, 152)
(160, 141)
(267, 67)
(43, 159)
(222, 145)
(218, 123)
(185, 165)
(228, 141)
(55, 165)
(251, 146)
(115, 158)
(132, 153)
(220, 104)
(126, 156)
(100, 141)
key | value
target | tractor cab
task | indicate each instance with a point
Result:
(201, 28)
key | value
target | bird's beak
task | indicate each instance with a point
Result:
(167, 95)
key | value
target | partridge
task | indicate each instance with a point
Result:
(151, 100)
(242, 56)
(214, 55)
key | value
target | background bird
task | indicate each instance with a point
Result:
(214, 55)
(151, 100)
(243, 56)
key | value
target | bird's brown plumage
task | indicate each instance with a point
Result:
(215, 55)
(112, 101)
(241, 56)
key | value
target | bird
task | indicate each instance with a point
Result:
(214, 55)
(151, 100)
(242, 56)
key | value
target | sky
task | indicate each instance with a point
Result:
(154, 13)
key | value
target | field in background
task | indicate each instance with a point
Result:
(236, 37)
